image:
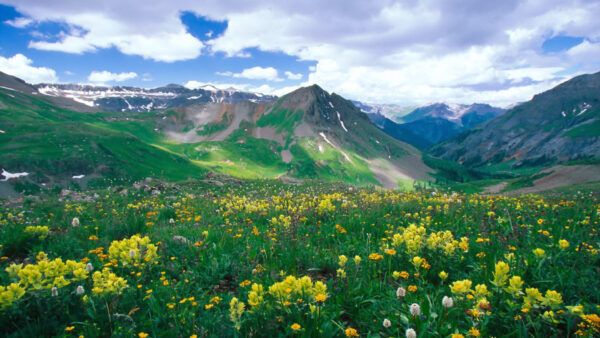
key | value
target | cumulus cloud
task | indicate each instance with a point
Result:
(153, 32)
(256, 73)
(376, 51)
(292, 76)
(106, 76)
(21, 66)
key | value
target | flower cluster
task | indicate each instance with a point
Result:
(133, 250)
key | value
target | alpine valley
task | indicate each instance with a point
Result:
(61, 135)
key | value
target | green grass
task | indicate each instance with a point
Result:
(586, 130)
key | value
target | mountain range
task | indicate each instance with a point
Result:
(307, 133)
(133, 99)
(428, 125)
(559, 125)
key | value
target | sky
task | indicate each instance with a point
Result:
(407, 52)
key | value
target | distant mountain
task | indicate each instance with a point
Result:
(461, 114)
(558, 125)
(393, 112)
(431, 124)
(133, 99)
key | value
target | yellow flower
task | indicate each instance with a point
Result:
(69, 328)
(320, 298)
(375, 256)
(539, 253)
(295, 327)
(473, 332)
(412, 288)
(350, 332)
(500, 274)
(390, 252)
(457, 335)
(443, 275)
(236, 310)
(343, 259)
(142, 335)
(208, 306)
(245, 283)
(552, 299)
(357, 259)
(461, 287)
(563, 243)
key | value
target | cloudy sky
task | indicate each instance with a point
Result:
(404, 52)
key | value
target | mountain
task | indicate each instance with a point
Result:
(393, 112)
(132, 99)
(558, 125)
(313, 133)
(306, 134)
(431, 124)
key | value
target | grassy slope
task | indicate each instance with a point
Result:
(51, 142)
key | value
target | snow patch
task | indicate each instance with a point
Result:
(341, 122)
(11, 175)
(130, 107)
(331, 104)
(563, 114)
(2, 131)
(77, 177)
(331, 144)
(14, 90)
(86, 102)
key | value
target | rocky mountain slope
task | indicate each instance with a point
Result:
(558, 125)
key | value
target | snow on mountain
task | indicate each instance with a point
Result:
(132, 99)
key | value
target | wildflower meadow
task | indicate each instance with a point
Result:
(261, 258)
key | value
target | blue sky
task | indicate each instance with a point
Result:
(75, 68)
(381, 52)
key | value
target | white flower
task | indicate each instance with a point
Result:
(387, 323)
(89, 267)
(75, 222)
(132, 253)
(401, 292)
(415, 309)
(447, 302)
(171, 221)
(54, 291)
(80, 290)
(410, 333)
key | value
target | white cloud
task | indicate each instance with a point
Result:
(20, 22)
(106, 76)
(155, 32)
(20, 66)
(380, 51)
(256, 73)
(292, 76)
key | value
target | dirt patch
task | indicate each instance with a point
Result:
(268, 133)
(494, 189)
(561, 176)
(286, 156)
